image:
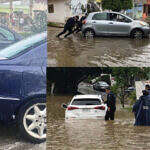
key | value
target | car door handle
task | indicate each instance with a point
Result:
(94, 22)
(110, 22)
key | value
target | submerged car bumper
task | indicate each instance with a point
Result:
(84, 117)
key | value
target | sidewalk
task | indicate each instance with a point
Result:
(55, 24)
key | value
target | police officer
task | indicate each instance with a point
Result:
(111, 104)
(147, 87)
(70, 24)
(141, 110)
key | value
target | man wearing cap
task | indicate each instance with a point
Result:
(70, 24)
(111, 104)
(147, 87)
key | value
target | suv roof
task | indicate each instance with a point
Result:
(87, 96)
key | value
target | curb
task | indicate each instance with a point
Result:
(55, 24)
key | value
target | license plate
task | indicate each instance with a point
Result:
(86, 110)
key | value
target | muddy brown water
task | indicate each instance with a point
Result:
(76, 51)
(93, 134)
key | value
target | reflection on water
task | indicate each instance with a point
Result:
(101, 51)
(93, 134)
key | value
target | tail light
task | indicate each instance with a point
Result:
(100, 107)
(72, 108)
(84, 22)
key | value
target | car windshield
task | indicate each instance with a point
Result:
(86, 101)
(22, 46)
(103, 84)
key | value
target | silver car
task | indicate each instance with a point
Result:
(114, 24)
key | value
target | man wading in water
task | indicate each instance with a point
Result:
(70, 24)
(111, 104)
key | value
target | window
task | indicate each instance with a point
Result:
(51, 8)
(118, 18)
(2, 37)
(23, 46)
(100, 16)
(7, 34)
(86, 102)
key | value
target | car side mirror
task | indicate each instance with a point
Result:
(64, 106)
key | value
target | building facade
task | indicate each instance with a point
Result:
(60, 10)
(146, 9)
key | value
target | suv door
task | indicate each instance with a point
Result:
(119, 24)
(100, 23)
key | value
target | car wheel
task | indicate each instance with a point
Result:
(32, 121)
(89, 33)
(137, 34)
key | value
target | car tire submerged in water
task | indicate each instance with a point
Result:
(32, 121)
(89, 33)
(137, 34)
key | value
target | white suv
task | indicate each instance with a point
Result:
(85, 107)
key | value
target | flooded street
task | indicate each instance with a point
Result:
(76, 51)
(93, 134)
(10, 140)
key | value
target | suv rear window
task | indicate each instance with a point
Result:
(86, 101)
(100, 16)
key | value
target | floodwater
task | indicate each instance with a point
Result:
(10, 140)
(76, 51)
(93, 134)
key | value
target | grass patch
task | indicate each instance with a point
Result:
(6, 9)
(26, 34)
(129, 109)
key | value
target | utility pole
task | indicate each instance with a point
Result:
(31, 8)
(133, 9)
(11, 11)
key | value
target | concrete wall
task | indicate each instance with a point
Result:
(64, 9)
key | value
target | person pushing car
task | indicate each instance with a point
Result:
(79, 23)
(70, 24)
(111, 104)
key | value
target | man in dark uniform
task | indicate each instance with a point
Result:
(147, 87)
(141, 110)
(80, 23)
(70, 24)
(111, 104)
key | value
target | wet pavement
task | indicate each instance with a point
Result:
(10, 140)
(93, 134)
(76, 51)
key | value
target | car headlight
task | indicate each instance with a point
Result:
(144, 23)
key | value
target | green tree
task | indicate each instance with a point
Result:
(127, 4)
(117, 5)
(126, 77)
